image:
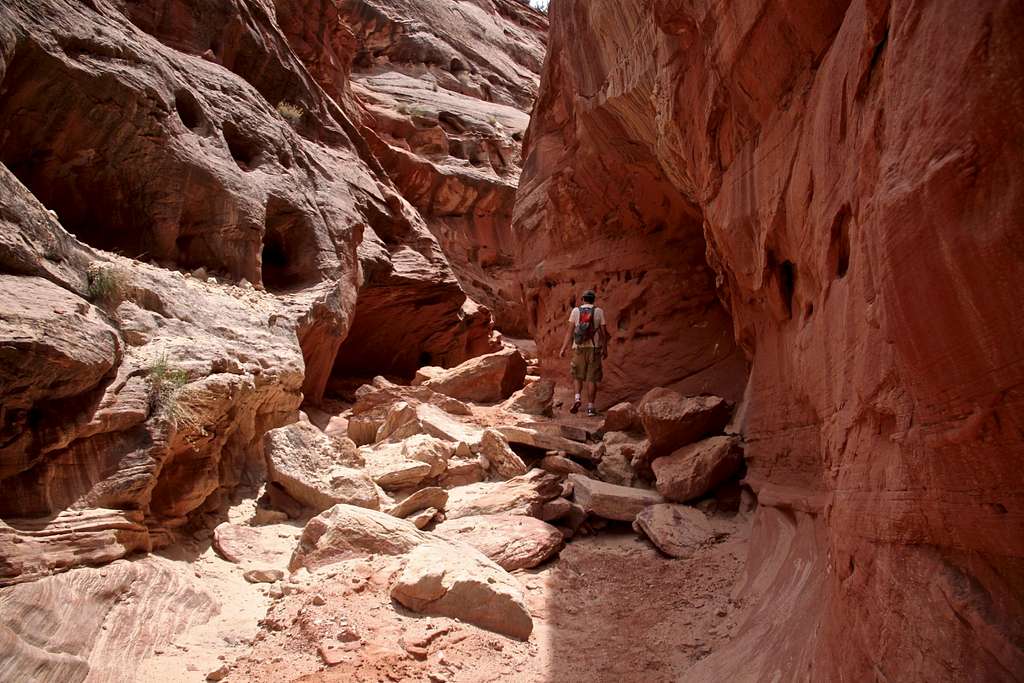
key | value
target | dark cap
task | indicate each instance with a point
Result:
(589, 296)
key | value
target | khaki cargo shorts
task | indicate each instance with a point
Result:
(586, 364)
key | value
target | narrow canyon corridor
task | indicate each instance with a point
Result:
(287, 365)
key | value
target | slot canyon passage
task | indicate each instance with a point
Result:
(283, 285)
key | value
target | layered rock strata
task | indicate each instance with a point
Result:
(845, 176)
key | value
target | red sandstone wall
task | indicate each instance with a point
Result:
(853, 169)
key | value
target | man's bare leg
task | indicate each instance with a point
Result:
(591, 394)
(578, 386)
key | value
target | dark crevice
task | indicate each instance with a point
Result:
(839, 243)
(244, 149)
(189, 110)
(289, 256)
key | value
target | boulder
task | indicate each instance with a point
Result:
(615, 468)
(574, 433)
(304, 462)
(672, 420)
(512, 541)
(545, 441)
(344, 532)
(621, 417)
(399, 422)
(503, 460)
(375, 400)
(263, 575)
(484, 379)
(424, 517)
(250, 545)
(429, 449)
(523, 495)
(462, 471)
(536, 398)
(694, 470)
(610, 501)
(430, 497)
(556, 509)
(676, 530)
(460, 583)
(395, 475)
(561, 465)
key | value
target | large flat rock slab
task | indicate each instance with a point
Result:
(611, 501)
(676, 530)
(512, 541)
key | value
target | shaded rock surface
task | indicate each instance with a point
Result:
(611, 501)
(849, 192)
(676, 530)
(694, 470)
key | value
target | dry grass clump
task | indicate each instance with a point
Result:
(290, 112)
(166, 385)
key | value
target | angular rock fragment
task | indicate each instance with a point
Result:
(251, 545)
(439, 579)
(424, 517)
(462, 471)
(429, 449)
(610, 501)
(621, 417)
(537, 398)
(484, 379)
(672, 421)
(430, 497)
(524, 495)
(548, 442)
(559, 464)
(512, 541)
(305, 463)
(344, 532)
(503, 460)
(676, 530)
(694, 470)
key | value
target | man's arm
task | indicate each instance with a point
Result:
(606, 339)
(565, 342)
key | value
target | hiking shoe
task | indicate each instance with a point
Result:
(575, 407)
(591, 412)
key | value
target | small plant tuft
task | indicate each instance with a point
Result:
(106, 283)
(165, 388)
(290, 112)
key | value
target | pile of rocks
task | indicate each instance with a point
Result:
(662, 465)
(445, 499)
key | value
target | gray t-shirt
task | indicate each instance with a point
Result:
(574, 319)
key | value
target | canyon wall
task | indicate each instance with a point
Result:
(844, 176)
(201, 229)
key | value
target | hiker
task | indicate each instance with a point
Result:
(590, 339)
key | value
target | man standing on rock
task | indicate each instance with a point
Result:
(590, 339)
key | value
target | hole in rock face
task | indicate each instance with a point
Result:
(787, 284)
(189, 110)
(839, 244)
(456, 65)
(288, 260)
(426, 358)
(244, 150)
